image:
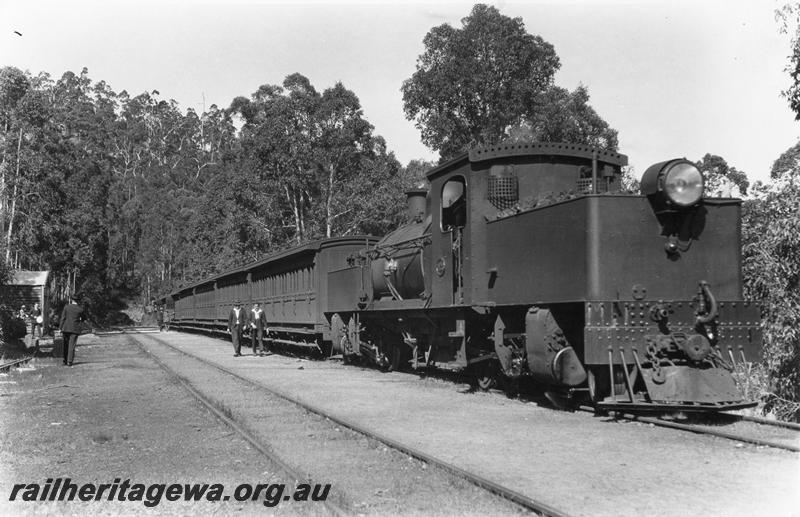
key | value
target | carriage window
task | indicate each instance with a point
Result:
(454, 203)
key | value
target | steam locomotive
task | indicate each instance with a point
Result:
(526, 261)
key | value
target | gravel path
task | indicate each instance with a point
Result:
(584, 465)
(115, 414)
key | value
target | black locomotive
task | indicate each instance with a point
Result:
(527, 260)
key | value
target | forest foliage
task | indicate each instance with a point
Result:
(121, 195)
(492, 81)
(771, 272)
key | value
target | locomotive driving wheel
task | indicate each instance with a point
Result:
(392, 353)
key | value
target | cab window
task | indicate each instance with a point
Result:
(454, 203)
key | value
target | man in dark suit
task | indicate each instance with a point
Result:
(258, 323)
(160, 317)
(71, 318)
(237, 320)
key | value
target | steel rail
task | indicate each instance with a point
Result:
(507, 493)
(764, 421)
(248, 437)
(17, 362)
(712, 432)
(704, 430)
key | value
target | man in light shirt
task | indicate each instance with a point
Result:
(258, 324)
(237, 319)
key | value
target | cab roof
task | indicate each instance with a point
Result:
(506, 150)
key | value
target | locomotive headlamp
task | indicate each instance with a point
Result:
(679, 181)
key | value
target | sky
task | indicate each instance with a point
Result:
(676, 78)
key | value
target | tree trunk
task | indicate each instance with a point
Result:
(291, 197)
(13, 200)
(329, 201)
(301, 209)
(3, 165)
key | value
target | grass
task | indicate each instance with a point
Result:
(754, 382)
(13, 351)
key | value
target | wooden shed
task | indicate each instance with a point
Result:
(27, 288)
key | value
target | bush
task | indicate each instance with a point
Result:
(116, 319)
(11, 326)
(771, 270)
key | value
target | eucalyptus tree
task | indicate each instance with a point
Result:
(491, 80)
(352, 164)
(166, 160)
(789, 18)
(23, 112)
(312, 152)
(788, 163)
(717, 172)
(771, 271)
(275, 151)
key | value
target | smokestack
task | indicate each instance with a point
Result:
(415, 204)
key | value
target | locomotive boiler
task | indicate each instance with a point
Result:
(529, 260)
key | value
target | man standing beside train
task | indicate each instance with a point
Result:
(237, 319)
(70, 325)
(258, 323)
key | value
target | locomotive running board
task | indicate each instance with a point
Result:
(672, 407)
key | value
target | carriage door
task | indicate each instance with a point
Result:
(448, 279)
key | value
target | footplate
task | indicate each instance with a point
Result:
(683, 388)
(673, 384)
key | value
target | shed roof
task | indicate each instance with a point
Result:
(20, 277)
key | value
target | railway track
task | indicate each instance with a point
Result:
(14, 364)
(515, 497)
(220, 414)
(751, 430)
(774, 423)
(744, 429)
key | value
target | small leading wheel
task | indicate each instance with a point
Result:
(487, 376)
(487, 382)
